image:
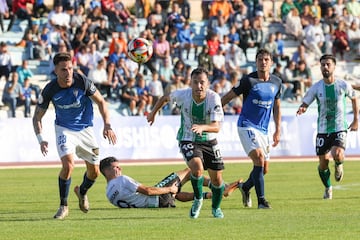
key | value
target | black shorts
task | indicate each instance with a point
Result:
(324, 141)
(168, 200)
(208, 152)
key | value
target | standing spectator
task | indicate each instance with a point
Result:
(13, 94)
(197, 137)
(5, 61)
(72, 95)
(254, 120)
(332, 126)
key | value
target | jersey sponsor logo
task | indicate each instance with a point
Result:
(76, 104)
(261, 103)
(57, 98)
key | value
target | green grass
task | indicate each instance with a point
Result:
(29, 199)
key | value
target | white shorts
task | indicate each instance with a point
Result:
(252, 139)
(82, 143)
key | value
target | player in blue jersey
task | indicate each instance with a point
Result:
(201, 115)
(261, 97)
(330, 94)
(72, 95)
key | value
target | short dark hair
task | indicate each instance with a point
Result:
(263, 51)
(328, 56)
(106, 162)
(61, 57)
(199, 70)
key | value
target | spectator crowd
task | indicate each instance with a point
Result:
(96, 33)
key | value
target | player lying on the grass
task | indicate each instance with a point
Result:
(125, 192)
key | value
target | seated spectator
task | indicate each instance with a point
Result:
(5, 61)
(205, 60)
(100, 78)
(158, 15)
(257, 33)
(185, 8)
(83, 59)
(161, 50)
(133, 30)
(213, 44)
(234, 36)
(240, 12)
(224, 6)
(314, 37)
(300, 54)
(4, 13)
(129, 96)
(304, 77)
(145, 98)
(286, 86)
(13, 94)
(176, 83)
(291, 85)
(25, 74)
(234, 59)
(156, 89)
(223, 85)
(173, 39)
(341, 40)
(281, 47)
(58, 17)
(102, 34)
(185, 40)
(219, 64)
(246, 37)
(94, 56)
(354, 38)
(143, 8)
(271, 46)
(175, 18)
(293, 25)
(222, 29)
(165, 73)
(21, 9)
(77, 19)
(121, 40)
(28, 99)
(285, 8)
(179, 70)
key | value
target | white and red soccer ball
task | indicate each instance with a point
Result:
(140, 50)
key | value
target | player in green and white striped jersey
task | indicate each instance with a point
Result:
(201, 115)
(330, 95)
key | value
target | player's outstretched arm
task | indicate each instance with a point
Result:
(228, 97)
(37, 125)
(150, 191)
(158, 105)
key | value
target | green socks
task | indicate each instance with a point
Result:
(197, 184)
(325, 177)
(217, 194)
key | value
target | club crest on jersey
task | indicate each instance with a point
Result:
(76, 93)
(217, 108)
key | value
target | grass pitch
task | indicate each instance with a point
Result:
(29, 199)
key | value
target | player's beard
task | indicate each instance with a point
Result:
(326, 74)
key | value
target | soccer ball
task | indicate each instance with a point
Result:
(140, 50)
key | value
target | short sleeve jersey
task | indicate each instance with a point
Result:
(122, 192)
(258, 100)
(73, 106)
(331, 101)
(207, 111)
